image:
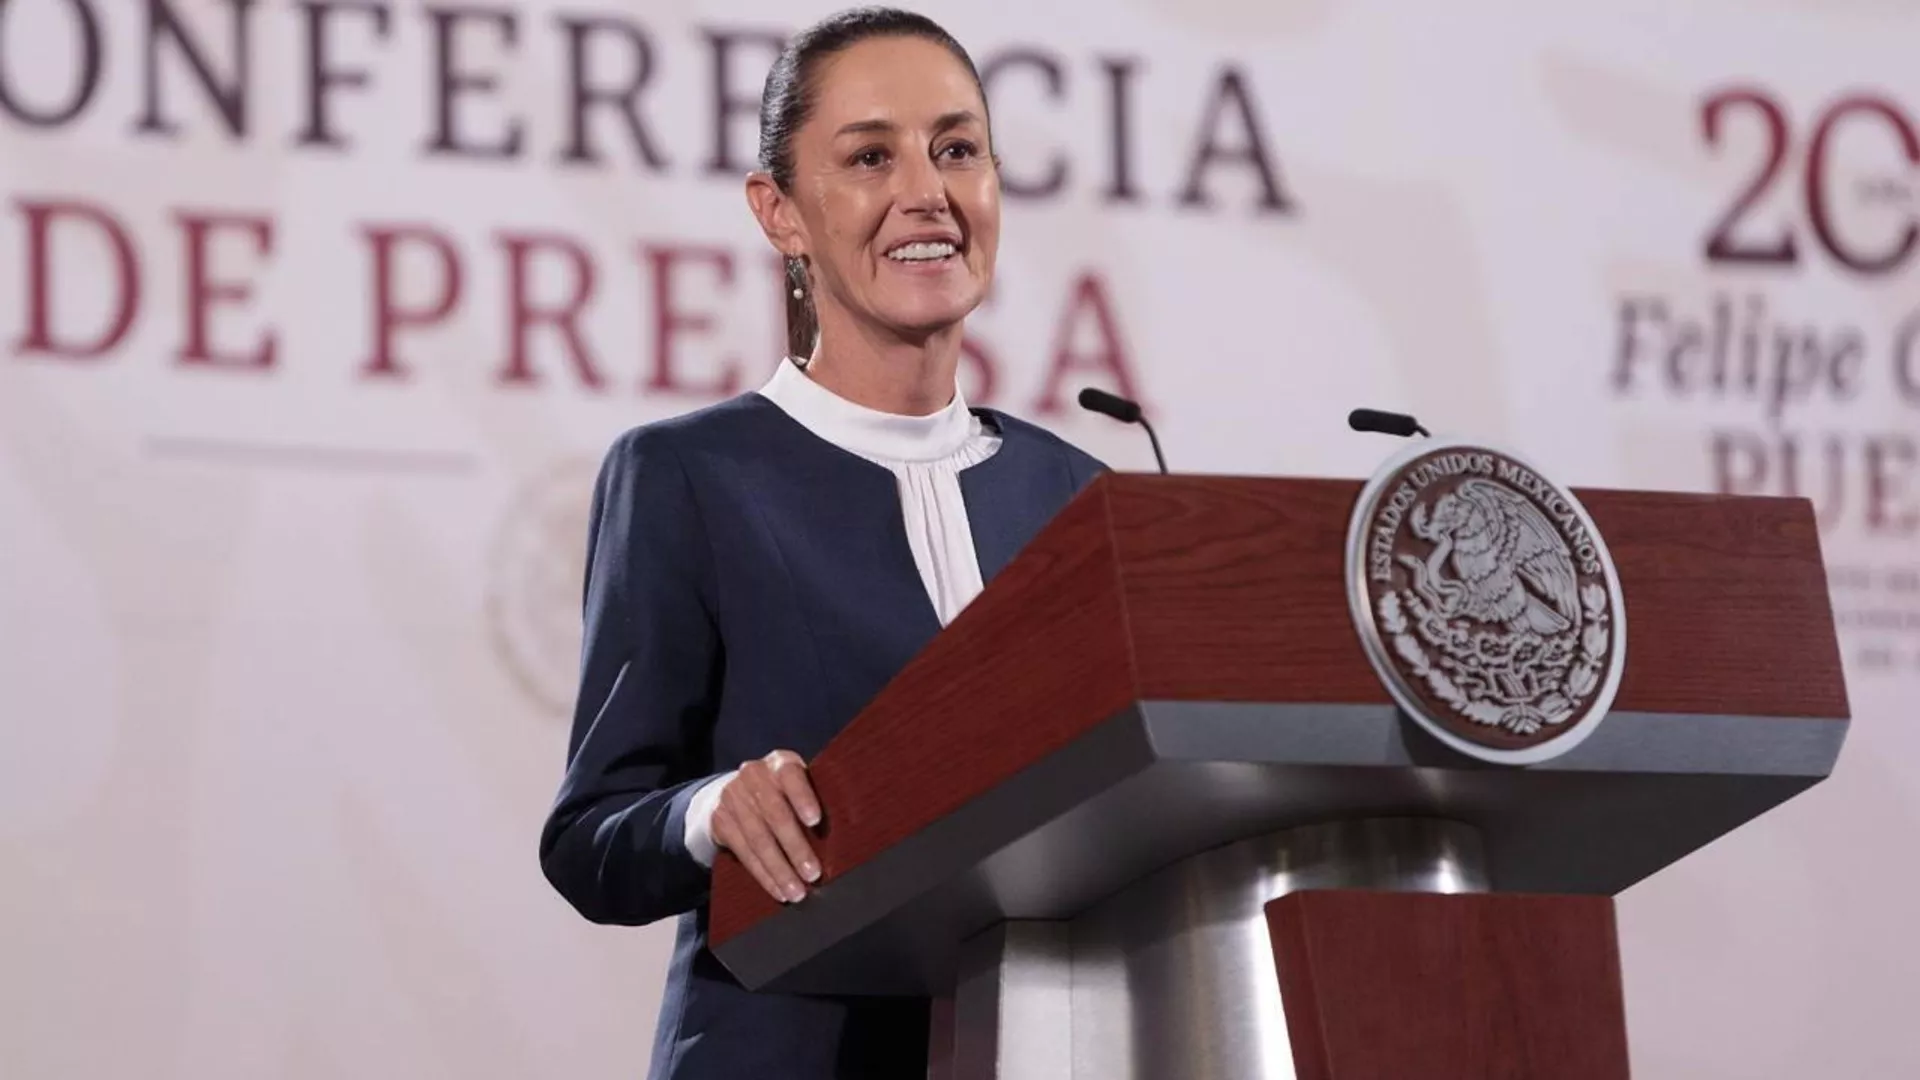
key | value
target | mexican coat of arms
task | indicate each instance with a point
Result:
(1487, 601)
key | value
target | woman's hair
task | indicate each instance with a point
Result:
(788, 100)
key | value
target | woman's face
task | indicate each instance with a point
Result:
(894, 188)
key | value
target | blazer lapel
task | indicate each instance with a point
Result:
(838, 494)
(1008, 501)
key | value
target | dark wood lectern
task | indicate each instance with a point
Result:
(1144, 810)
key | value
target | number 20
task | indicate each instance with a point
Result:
(1724, 246)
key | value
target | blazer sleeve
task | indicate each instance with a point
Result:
(651, 659)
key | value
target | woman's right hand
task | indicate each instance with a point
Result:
(763, 815)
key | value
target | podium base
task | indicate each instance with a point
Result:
(1173, 977)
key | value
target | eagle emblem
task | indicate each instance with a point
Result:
(1487, 602)
(1508, 565)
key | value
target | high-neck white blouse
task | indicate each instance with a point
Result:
(925, 454)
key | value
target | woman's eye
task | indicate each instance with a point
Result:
(959, 151)
(870, 159)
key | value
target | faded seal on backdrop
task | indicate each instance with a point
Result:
(535, 575)
(1487, 601)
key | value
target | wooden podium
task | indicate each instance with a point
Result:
(1145, 810)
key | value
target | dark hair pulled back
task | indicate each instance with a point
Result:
(788, 101)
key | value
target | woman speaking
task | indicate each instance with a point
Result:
(758, 570)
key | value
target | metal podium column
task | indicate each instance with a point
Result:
(1173, 977)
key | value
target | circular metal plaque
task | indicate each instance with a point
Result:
(1487, 601)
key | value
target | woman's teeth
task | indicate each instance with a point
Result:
(921, 252)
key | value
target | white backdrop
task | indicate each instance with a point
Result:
(289, 564)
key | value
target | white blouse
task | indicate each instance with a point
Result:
(926, 455)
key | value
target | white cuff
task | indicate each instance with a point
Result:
(699, 832)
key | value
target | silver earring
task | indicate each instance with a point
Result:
(797, 273)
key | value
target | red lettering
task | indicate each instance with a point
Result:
(563, 317)
(1889, 461)
(40, 335)
(1232, 96)
(1722, 246)
(1108, 353)
(203, 292)
(390, 315)
(1818, 203)
(671, 323)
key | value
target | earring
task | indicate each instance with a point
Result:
(797, 273)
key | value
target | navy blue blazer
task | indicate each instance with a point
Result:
(750, 588)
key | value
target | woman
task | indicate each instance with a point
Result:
(758, 570)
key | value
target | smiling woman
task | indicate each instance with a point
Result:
(894, 221)
(758, 570)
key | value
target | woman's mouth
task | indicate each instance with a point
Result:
(923, 252)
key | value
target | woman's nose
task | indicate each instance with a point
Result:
(922, 188)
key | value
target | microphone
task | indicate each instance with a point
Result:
(1385, 423)
(1127, 412)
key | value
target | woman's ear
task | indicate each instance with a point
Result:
(774, 211)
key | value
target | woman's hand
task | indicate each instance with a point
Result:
(762, 817)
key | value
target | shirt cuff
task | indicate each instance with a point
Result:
(699, 831)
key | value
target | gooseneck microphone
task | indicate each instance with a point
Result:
(1385, 423)
(1127, 412)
